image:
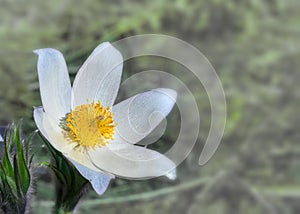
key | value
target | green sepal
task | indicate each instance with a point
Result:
(7, 166)
(60, 176)
(21, 166)
(18, 182)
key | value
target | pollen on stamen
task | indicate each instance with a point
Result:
(89, 125)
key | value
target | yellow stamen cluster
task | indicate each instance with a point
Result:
(89, 125)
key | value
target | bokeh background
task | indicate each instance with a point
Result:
(253, 46)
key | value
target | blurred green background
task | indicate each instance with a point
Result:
(253, 46)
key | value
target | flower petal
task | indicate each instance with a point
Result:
(38, 115)
(132, 162)
(99, 180)
(50, 131)
(99, 77)
(137, 116)
(2, 131)
(55, 86)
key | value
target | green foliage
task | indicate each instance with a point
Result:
(15, 173)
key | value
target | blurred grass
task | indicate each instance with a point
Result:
(254, 47)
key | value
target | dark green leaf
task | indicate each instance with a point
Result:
(22, 168)
(59, 174)
(17, 178)
(6, 161)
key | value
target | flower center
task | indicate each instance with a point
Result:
(89, 125)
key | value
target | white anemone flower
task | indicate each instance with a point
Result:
(83, 123)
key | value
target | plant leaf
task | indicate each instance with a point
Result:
(21, 166)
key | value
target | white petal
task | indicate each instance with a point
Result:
(98, 179)
(171, 175)
(132, 162)
(2, 131)
(99, 77)
(55, 86)
(51, 131)
(38, 115)
(137, 116)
